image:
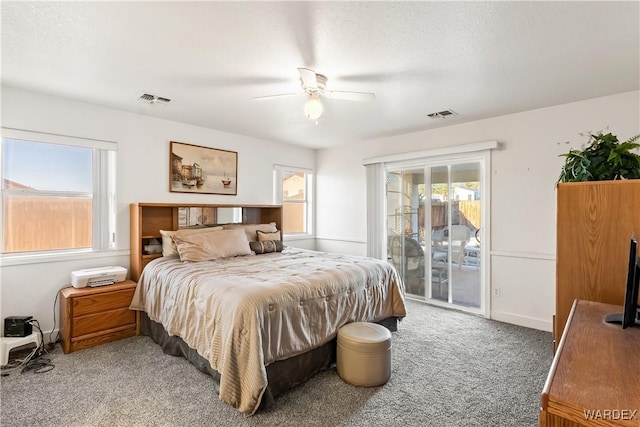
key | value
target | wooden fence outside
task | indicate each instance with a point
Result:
(469, 213)
(33, 223)
(465, 212)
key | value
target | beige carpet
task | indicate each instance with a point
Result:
(449, 369)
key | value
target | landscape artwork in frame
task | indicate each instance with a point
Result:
(198, 169)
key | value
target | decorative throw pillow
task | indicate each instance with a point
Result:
(250, 229)
(210, 246)
(169, 247)
(263, 237)
(266, 246)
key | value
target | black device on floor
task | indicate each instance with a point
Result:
(17, 326)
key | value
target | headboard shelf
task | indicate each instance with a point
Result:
(147, 219)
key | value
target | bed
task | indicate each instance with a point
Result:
(258, 323)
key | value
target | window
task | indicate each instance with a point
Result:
(292, 188)
(57, 193)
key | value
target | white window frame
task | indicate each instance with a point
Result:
(278, 181)
(103, 196)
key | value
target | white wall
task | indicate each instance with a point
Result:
(142, 176)
(522, 227)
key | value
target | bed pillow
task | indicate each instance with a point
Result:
(266, 247)
(264, 237)
(251, 229)
(210, 246)
(169, 247)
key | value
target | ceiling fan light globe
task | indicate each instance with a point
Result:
(313, 109)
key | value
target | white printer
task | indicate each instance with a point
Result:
(99, 276)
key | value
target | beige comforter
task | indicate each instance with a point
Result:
(244, 313)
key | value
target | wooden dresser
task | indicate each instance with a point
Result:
(93, 316)
(595, 221)
(594, 379)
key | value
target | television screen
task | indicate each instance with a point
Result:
(629, 315)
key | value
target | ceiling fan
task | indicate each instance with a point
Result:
(313, 85)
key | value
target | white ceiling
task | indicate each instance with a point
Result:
(480, 59)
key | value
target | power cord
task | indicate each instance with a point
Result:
(51, 340)
(34, 361)
(38, 363)
(10, 368)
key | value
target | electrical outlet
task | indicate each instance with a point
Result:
(496, 292)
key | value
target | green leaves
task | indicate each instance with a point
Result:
(604, 158)
(576, 167)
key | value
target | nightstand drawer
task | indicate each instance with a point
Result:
(102, 302)
(102, 321)
(93, 316)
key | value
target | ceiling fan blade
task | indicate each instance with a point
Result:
(351, 96)
(309, 78)
(280, 95)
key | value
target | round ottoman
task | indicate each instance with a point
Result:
(364, 354)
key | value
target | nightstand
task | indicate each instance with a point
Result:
(94, 316)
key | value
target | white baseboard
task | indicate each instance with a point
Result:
(528, 322)
(51, 334)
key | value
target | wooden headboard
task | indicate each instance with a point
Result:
(147, 219)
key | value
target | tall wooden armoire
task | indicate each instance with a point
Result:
(595, 222)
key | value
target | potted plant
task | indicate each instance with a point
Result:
(604, 158)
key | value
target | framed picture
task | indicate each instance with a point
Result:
(198, 169)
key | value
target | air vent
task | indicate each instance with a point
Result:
(442, 114)
(153, 99)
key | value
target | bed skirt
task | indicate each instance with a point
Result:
(282, 375)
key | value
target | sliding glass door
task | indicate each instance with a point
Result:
(434, 231)
(455, 234)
